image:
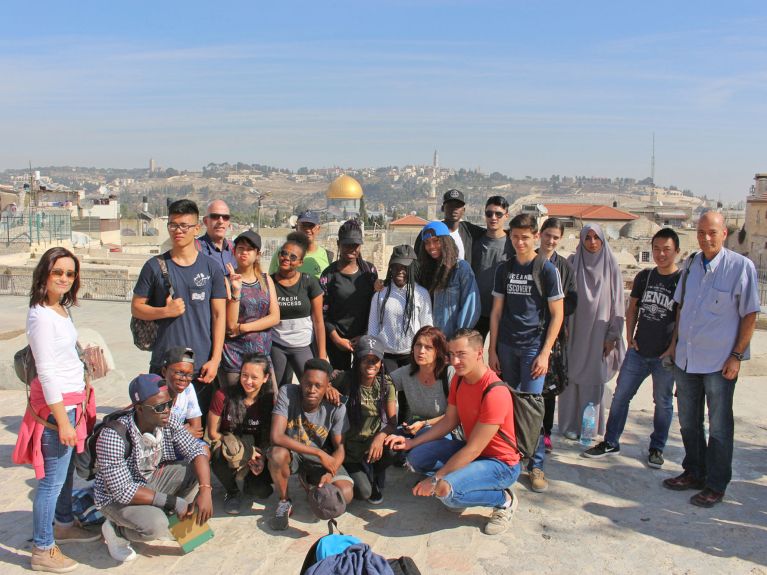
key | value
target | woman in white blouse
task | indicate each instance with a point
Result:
(57, 401)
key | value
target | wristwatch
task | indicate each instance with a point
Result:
(736, 355)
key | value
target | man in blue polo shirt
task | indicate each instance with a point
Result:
(718, 302)
(213, 243)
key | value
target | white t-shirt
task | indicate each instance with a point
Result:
(458, 242)
(186, 405)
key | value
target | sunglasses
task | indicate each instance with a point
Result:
(224, 217)
(491, 213)
(57, 273)
(287, 254)
(161, 407)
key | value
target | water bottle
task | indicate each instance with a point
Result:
(589, 424)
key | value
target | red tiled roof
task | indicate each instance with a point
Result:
(588, 212)
(409, 220)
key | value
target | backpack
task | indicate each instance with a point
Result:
(528, 417)
(84, 507)
(86, 464)
(145, 331)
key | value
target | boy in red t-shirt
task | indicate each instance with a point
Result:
(480, 470)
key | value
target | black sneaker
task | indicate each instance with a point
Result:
(601, 449)
(655, 459)
(281, 515)
(376, 497)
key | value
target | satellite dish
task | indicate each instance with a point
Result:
(292, 221)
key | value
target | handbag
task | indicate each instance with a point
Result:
(145, 330)
(556, 379)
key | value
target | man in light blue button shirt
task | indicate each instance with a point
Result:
(719, 301)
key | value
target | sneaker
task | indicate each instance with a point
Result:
(119, 547)
(376, 498)
(232, 503)
(547, 443)
(501, 517)
(281, 514)
(538, 482)
(601, 449)
(571, 435)
(73, 534)
(52, 560)
(655, 459)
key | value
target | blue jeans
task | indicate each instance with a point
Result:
(516, 365)
(634, 371)
(53, 498)
(712, 462)
(480, 483)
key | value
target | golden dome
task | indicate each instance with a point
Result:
(344, 188)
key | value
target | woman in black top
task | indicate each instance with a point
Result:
(348, 287)
(239, 422)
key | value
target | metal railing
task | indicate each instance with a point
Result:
(761, 276)
(91, 288)
(35, 227)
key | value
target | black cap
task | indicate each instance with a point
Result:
(178, 354)
(351, 235)
(310, 217)
(453, 196)
(403, 255)
(251, 237)
(327, 502)
(369, 345)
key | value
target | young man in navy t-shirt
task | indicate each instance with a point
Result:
(525, 323)
(195, 316)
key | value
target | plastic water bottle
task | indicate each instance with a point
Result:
(589, 424)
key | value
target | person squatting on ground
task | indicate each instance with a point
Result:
(718, 302)
(400, 309)
(371, 407)
(307, 438)
(61, 409)
(525, 322)
(649, 328)
(480, 470)
(239, 424)
(177, 371)
(139, 477)
(348, 285)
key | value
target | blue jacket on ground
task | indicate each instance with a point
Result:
(458, 304)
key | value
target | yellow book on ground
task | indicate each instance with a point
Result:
(188, 534)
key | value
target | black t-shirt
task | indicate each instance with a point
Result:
(657, 310)
(257, 421)
(347, 299)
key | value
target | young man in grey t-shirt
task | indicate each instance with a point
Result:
(305, 428)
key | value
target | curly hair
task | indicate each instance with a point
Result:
(298, 239)
(38, 293)
(434, 275)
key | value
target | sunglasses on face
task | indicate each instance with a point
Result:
(224, 217)
(68, 273)
(492, 213)
(161, 407)
(287, 254)
(183, 227)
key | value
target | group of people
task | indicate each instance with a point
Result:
(391, 372)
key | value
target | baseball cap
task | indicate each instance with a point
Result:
(369, 345)
(249, 236)
(350, 233)
(327, 502)
(177, 354)
(309, 217)
(453, 196)
(403, 255)
(434, 229)
(145, 386)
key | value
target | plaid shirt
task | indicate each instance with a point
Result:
(118, 478)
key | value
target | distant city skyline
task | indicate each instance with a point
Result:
(563, 88)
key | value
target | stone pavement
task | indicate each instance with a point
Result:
(604, 516)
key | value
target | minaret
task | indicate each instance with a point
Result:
(431, 203)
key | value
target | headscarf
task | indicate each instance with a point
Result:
(599, 315)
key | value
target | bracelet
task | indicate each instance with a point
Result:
(201, 485)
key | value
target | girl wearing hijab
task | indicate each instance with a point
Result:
(595, 347)
(450, 281)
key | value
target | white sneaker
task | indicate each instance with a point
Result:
(501, 517)
(119, 547)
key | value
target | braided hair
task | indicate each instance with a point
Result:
(434, 275)
(407, 317)
(349, 227)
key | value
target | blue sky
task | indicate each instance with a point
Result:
(528, 89)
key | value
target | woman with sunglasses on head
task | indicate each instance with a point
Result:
(55, 421)
(252, 311)
(450, 281)
(299, 297)
(239, 423)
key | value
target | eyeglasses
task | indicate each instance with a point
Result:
(224, 217)
(161, 407)
(183, 227)
(287, 254)
(57, 273)
(492, 213)
(183, 374)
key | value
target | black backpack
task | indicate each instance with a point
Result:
(85, 462)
